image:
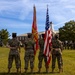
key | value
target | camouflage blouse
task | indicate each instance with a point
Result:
(29, 43)
(57, 44)
(14, 43)
(41, 44)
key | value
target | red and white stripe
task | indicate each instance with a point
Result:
(47, 45)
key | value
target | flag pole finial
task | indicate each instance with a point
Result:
(47, 6)
(34, 6)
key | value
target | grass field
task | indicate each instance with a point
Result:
(68, 64)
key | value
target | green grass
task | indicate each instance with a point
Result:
(68, 63)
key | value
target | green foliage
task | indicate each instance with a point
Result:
(4, 34)
(67, 32)
(68, 63)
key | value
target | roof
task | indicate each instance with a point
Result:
(38, 33)
(23, 34)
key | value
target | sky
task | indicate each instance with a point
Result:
(17, 15)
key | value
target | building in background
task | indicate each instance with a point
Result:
(23, 37)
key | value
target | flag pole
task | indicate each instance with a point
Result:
(34, 29)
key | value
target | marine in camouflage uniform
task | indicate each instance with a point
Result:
(29, 52)
(57, 48)
(14, 45)
(41, 55)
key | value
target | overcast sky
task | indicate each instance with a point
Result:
(17, 15)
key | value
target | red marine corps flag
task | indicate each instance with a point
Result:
(48, 38)
(34, 30)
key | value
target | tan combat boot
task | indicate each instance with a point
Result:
(60, 70)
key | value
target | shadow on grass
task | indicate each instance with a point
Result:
(28, 73)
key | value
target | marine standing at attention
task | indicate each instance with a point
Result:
(14, 46)
(29, 52)
(57, 48)
(41, 55)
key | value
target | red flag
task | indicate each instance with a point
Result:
(34, 30)
(48, 38)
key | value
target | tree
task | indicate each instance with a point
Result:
(4, 34)
(67, 32)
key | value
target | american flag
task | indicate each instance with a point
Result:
(48, 38)
(34, 30)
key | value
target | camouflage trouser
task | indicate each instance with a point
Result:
(59, 60)
(17, 60)
(41, 57)
(29, 56)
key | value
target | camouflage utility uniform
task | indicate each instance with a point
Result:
(57, 53)
(14, 53)
(41, 55)
(29, 53)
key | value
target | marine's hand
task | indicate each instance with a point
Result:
(19, 51)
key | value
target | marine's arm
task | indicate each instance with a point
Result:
(8, 46)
